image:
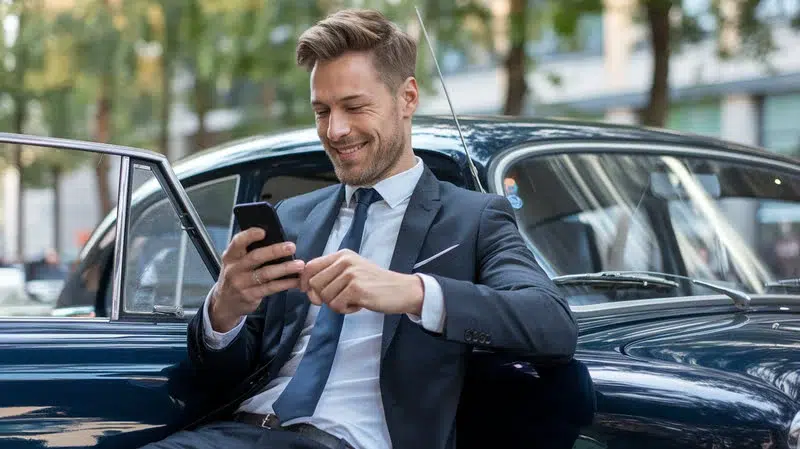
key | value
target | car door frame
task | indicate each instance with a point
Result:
(135, 387)
(190, 220)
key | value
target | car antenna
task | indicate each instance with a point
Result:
(452, 111)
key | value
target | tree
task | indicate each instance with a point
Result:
(62, 104)
(740, 31)
(208, 34)
(105, 56)
(515, 62)
(19, 57)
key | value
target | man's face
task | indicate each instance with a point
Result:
(359, 121)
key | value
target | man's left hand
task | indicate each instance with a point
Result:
(347, 282)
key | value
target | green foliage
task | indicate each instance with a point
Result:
(566, 14)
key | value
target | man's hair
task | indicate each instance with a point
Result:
(394, 53)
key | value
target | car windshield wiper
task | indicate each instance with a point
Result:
(615, 278)
(784, 283)
(656, 279)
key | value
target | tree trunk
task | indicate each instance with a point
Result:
(57, 209)
(20, 205)
(103, 134)
(203, 98)
(20, 114)
(655, 112)
(166, 101)
(517, 87)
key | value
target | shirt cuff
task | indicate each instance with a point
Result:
(212, 338)
(433, 314)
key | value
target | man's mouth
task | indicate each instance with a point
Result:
(350, 149)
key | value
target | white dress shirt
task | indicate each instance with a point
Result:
(350, 406)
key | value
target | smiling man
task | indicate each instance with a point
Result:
(399, 276)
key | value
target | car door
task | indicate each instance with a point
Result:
(119, 380)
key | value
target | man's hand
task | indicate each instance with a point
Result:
(241, 287)
(347, 282)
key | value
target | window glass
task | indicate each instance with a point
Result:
(737, 224)
(60, 208)
(163, 267)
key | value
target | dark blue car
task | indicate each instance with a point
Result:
(679, 256)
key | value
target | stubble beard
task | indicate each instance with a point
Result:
(377, 164)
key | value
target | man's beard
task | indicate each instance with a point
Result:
(377, 163)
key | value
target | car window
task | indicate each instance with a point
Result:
(88, 290)
(735, 223)
(163, 268)
(315, 171)
(281, 187)
(62, 205)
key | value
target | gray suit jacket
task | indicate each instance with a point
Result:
(495, 296)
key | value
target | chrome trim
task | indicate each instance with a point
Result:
(682, 302)
(235, 198)
(82, 145)
(182, 251)
(499, 166)
(53, 319)
(187, 206)
(121, 246)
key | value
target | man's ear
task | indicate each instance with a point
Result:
(409, 96)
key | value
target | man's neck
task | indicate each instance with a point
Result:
(406, 162)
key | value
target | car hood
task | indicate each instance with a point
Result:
(760, 347)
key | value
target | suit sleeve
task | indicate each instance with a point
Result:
(229, 360)
(226, 366)
(514, 306)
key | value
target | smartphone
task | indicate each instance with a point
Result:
(262, 215)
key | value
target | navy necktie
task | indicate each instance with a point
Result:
(305, 388)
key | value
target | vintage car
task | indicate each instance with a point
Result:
(678, 254)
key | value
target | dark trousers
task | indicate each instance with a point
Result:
(234, 435)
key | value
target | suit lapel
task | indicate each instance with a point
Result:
(422, 208)
(311, 242)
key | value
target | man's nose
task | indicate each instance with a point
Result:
(338, 126)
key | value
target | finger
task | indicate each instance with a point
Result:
(237, 248)
(269, 253)
(314, 298)
(315, 266)
(335, 286)
(270, 288)
(279, 270)
(345, 302)
(321, 280)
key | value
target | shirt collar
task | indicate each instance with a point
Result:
(394, 189)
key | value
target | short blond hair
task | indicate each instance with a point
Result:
(394, 52)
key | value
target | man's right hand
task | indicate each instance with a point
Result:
(241, 286)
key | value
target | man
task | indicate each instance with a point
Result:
(361, 349)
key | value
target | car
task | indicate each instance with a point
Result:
(678, 254)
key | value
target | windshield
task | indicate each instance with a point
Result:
(734, 223)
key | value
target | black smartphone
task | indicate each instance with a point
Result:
(262, 215)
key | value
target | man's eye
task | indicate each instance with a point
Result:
(355, 108)
(321, 113)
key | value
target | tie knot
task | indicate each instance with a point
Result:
(367, 196)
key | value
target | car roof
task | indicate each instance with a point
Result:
(485, 136)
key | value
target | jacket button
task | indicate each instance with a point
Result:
(468, 335)
(482, 339)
